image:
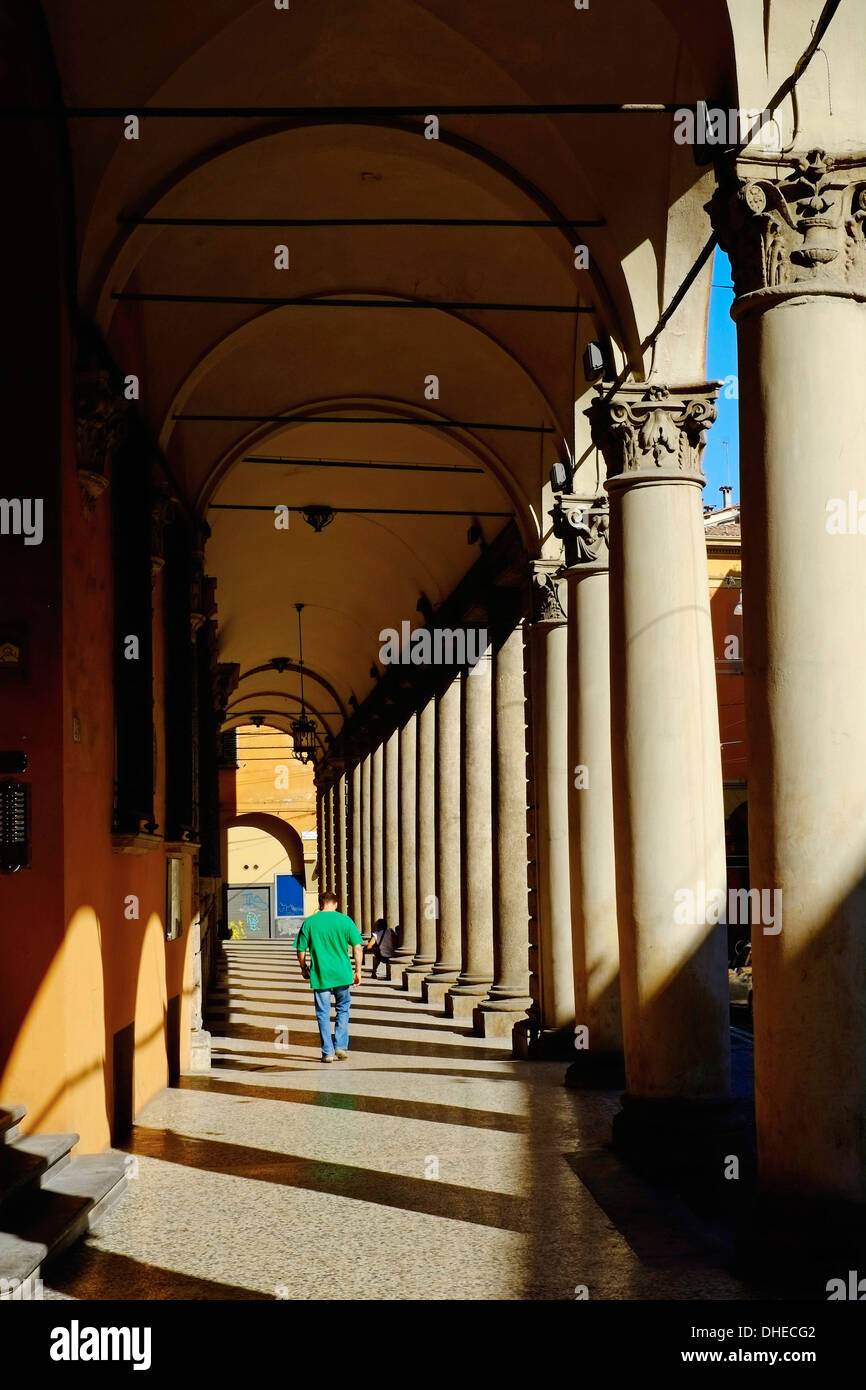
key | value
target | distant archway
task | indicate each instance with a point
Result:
(281, 831)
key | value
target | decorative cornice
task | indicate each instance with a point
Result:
(800, 233)
(582, 524)
(652, 431)
(547, 606)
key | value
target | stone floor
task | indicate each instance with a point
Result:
(429, 1165)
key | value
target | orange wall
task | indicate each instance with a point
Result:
(76, 967)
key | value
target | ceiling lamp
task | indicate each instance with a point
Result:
(304, 728)
(318, 517)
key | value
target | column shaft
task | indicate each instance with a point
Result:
(355, 907)
(425, 840)
(550, 747)
(391, 797)
(408, 884)
(377, 831)
(449, 759)
(476, 974)
(367, 843)
(508, 998)
(595, 941)
(341, 863)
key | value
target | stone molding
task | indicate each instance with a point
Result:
(583, 524)
(652, 432)
(803, 232)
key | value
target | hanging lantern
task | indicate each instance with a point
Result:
(304, 738)
(304, 729)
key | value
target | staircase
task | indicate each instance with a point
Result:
(47, 1199)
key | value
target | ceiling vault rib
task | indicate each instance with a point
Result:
(356, 511)
(360, 420)
(349, 113)
(311, 302)
(219, 222)
(280, 459)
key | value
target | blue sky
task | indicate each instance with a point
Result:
(722, 363)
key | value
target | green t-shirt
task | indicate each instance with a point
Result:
(327, 936)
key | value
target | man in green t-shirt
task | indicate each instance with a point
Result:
(323, 945)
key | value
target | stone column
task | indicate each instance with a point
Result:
(550, 759)
(449, 760)
(355, 907)
(799, 258)
(327, 874)
(320, 835)
(583, 525)
(508, 998)
(668, 808)
(408, 881)
(425, 849)
(391, 797)
(341, 845)
(377, 831)
(367, 843)
(476, 973)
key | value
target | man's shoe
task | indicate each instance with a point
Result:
(328, 1057)
(342, 1054)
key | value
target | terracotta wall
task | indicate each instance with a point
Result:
(727, 625)
(76, 967)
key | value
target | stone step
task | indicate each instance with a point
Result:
(10, 1120)
(49, 1218)
(19, 1259)
(26, 1162)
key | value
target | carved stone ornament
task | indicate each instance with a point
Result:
(801, 232)
(546, 604)
(225, 678)
(100, 421)
(582, 524)
(162, 511)
(653, 431)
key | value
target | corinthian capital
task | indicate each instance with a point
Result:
(582, 524)
(100, 415)
(804, 231)
(547, 606)
(651, 431)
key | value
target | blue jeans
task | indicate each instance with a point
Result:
(342, 999)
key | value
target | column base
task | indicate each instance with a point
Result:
(199, 1052)
(462, 1000)
(687, 1140)
(596, 1071)
(497, 1018)
(413, 979)
(806, 1242)
(435, 987)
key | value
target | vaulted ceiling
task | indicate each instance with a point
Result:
(510, 386)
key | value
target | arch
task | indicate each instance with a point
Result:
(286, 664)
(280, 830)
